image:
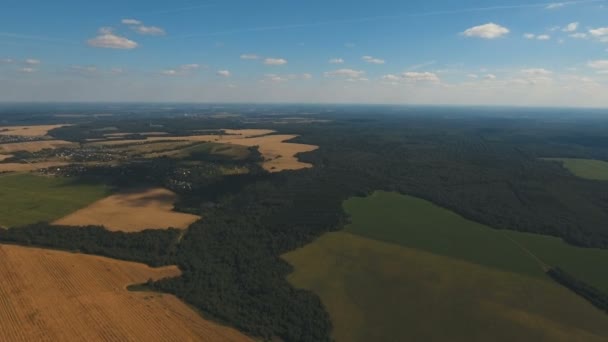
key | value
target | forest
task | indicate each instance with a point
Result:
(485, 167)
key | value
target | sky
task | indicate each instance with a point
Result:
(492, 52)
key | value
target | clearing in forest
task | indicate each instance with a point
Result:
(584, 168)
(28, 131)
(58, 296)
(403, 264)
(132, 211)
(28, 198)
(35, 146)
(279, 154)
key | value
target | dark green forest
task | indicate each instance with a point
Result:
(486, 167)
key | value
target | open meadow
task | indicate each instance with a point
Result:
(584, 168)
(132, 211)
(404, 264)
(58, 296)
(28, 198)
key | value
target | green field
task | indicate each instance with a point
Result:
(405, 269)
(27, 198)
(585, 168)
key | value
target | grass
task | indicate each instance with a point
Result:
(404, 266)
(412, 222)
(585, 168)
(27, 198)
(377, 291)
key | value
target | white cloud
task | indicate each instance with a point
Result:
(84, 69)
(182, 70)
(489, 77)
(555, 5)
(6, 61)
(350, 73)
(391, 78)
(473, 76)
(27, 70)
(421, 76)
(275, 61)
(372, 60)
(537, 72)
(571, 27)
(599, 32)
(250, 56)
(537, 37)
(32, 61)
(149, 30)
(277, 78)
(487, 31)
(336, 61)
(107, 39)
(224, 73)
(578, 35)
(600, 65)
(131, 22)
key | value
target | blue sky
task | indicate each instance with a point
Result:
(416, 52)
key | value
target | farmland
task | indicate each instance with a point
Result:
(28, 131)
(428, 263)
(585, 168)
(59, 296)
(132, 211)
(27, 198)
(377, 291)
(34, 146)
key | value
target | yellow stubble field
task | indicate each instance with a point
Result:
(59, 296)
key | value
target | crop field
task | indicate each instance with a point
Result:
(428, 264)
(279, 155)
(585, 168)
(377, 291)
(28, 131)
(27, 198)
(132, 211)
(26, 167)
(34, 146)
(58, 296)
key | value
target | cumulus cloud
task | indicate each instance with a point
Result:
(421, 76)
(600, 65)
(131, 22)
(350, 73)
(181, 70)
(391, 78)
(32, 61)
(336, 61)
(224, 73)
(107, 39)
(27, 70)
(486, 31)
(555, 5)
(571, 27)
(578, 35)
(537, 37)
(248, 56)
(489, 77)
(149, 30)
(372, 60)
(278, 78)
(529, 36)
(537, 72)
(275, 61)
(599, 32)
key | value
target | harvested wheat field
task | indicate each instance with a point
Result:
(28, 131)
(4, 157)
(35, 146)
(27, 167)
(59, 296)
(133, 211)
(279, 155)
